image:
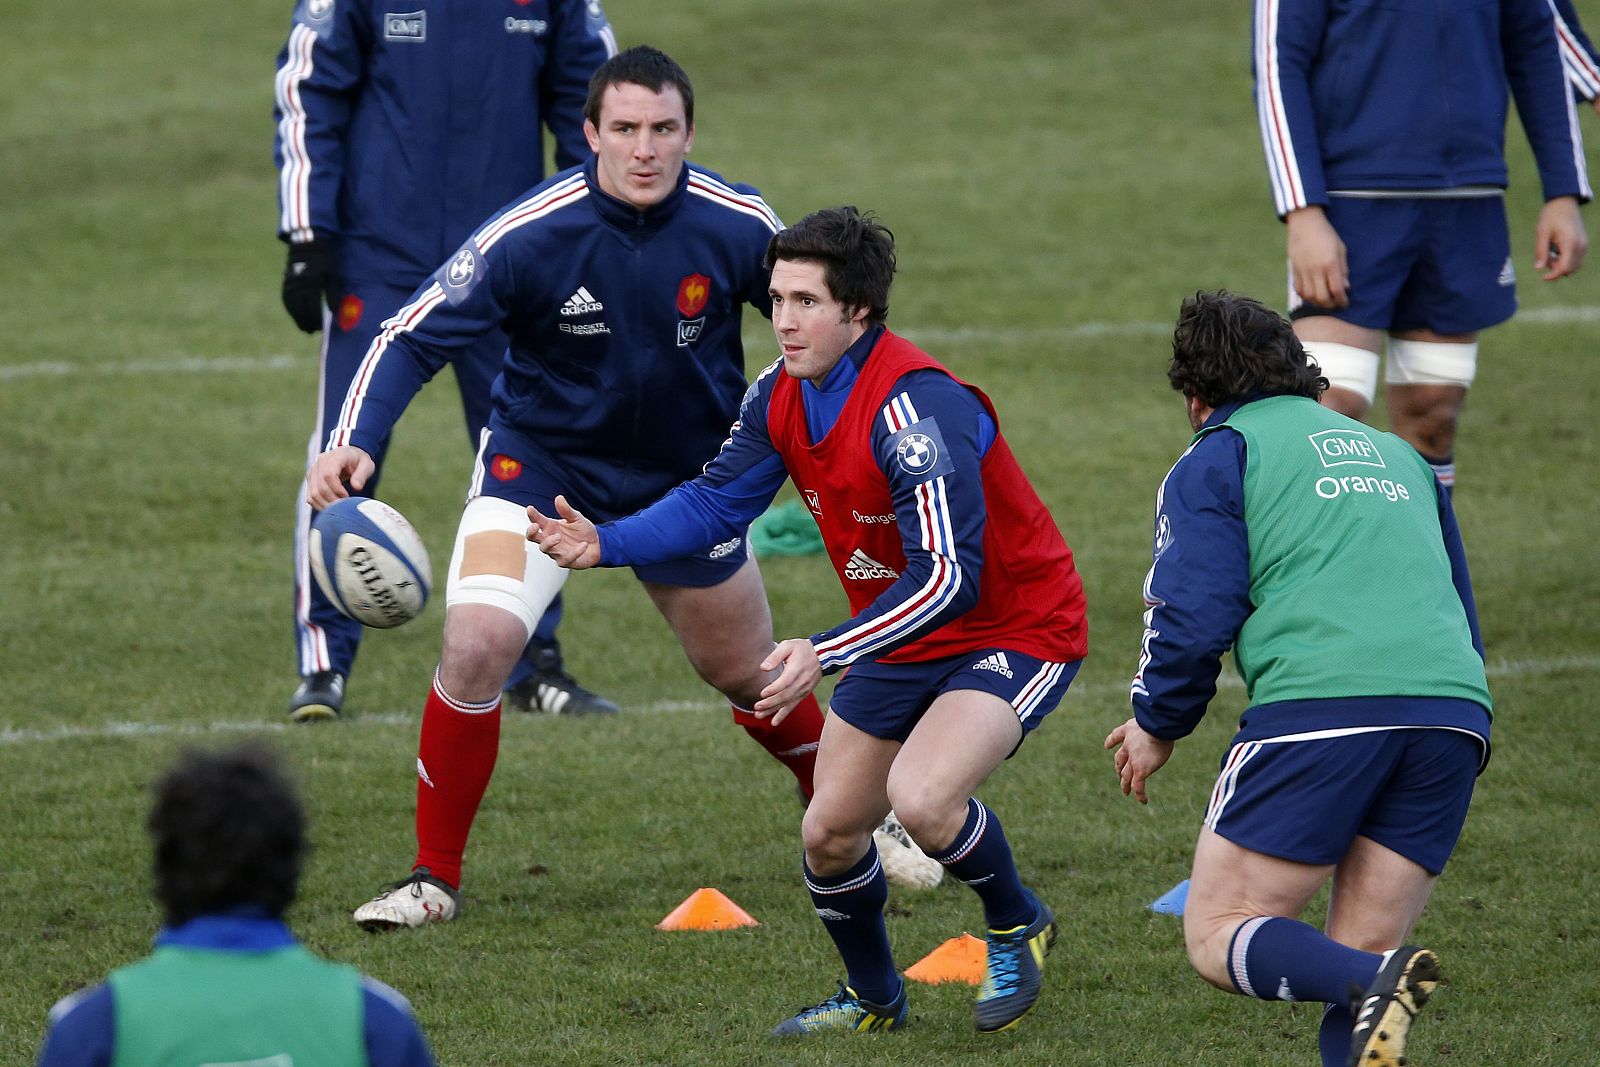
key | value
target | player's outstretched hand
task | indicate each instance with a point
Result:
(571, 540)
(1559, 239)
(328, 473)
(1317, 259)
(799, 674)
(1140, 756)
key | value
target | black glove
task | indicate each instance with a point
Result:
(308, 276)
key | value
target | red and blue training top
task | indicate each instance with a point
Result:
(938, 538)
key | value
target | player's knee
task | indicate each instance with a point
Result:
(831, 845)
(480, 647)
(929, 814)
(1206, 942)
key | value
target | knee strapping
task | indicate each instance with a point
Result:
(494, 564)
(1346, 366)
(1431, 363)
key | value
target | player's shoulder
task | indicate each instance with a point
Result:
(548, 207)
(734, 199)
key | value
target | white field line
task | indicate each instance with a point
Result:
(1552, 316)
(1499, 668)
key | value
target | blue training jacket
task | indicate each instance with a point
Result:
(625, 366)
(1391, 96)
(1577, 53)
(394, 133)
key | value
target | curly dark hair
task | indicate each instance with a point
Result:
(229, 830)
(1228, 347)
(856, 252)
(639, 65)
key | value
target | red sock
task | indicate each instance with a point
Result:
(792, 742)
(455, 758)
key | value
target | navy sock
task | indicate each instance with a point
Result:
(1334, 1037)
(981, 857)
(1284, 959)
(850, 906)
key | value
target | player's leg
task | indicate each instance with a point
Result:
(498, 587)
(326, 640)
(725, 629)
(1383, 883)
(1427, 378)
(539, 680)
(1464, 282)
(846, 882)
(976, 722)
(1380, 237)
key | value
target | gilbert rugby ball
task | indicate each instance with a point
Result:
(370, 562)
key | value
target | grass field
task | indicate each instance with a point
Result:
(1058, 176)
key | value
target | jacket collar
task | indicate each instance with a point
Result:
(623, 215)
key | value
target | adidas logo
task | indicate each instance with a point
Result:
(830, 914)
(862, 567)
(995, 661)
(1508, 273)
(422, 772)
(581, 302)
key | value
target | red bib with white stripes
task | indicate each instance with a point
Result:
(1030, 595)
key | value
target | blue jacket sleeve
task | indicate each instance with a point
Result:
(940, 513)
(1459, 575)
(581, 40)
(1287, 40)
(82, 1031)
(392, 1035)
(1197, 591)
(321, 67)
(1577, 54)
(1544, 100)
(719, 505)
(463, 300)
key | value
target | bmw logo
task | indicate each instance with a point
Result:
(917, 453)
(461, 268)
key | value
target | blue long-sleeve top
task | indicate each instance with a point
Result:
(1198, 597)
(1578, 56)
(742, 479)
(1409, 96)
(83, 1030)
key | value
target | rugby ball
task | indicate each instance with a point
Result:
(370, 562)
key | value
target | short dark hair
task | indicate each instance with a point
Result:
(856, 252)
(639, 65)
(1229, 347)
(228, 830)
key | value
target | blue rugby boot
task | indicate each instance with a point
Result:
(844, 1011)
(1013, 970)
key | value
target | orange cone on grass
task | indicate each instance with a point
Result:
(960, 959)
(706, 909)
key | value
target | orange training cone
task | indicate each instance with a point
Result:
(959, 959)
(706, 909)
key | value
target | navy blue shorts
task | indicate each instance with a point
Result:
(887, 700)
(498, 475)
(1307, 800)
(1441, 264)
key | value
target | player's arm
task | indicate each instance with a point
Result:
(81, 1031)
(580, 40)
(1459, 575)
(389, 1028)
(1196, 596)
(1578, 55)
(319, 70)
(939, 510)
(1544, 100)
(464, 299)
(717, 506)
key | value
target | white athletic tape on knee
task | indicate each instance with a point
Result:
(1346, 366)
(526, 596)
(1431, 363)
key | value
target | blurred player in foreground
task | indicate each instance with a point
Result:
(620, 284)
(1384, 132)
(227, 982)
(396, 135)
(968, 619)
(1326, 555)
